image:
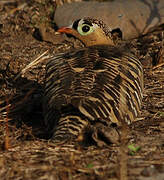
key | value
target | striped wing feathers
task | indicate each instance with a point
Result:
(100, 81)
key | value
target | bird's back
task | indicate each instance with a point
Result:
(97, 83)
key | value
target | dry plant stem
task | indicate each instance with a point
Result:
(33, 63)
(5, 2)
(7, 146)
(158, 66)
(123, 157)
(5, 107)
(20, 7)
(161, 53)
(17, 103)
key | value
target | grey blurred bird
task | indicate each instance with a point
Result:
(98, 85)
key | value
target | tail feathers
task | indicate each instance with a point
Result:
(69, 128)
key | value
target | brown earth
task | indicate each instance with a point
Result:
(26, 31)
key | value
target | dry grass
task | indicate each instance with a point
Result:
(25, 151)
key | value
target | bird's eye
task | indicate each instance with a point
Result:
(85, 29)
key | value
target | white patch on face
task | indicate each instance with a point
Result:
(70, 26)
(95, 26)
(81, 22)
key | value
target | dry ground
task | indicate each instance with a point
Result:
(24, 150)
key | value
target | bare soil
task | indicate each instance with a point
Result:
(27, 31)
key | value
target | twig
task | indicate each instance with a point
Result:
(17, 103)
(161, 52)
(123, 157)
(20, 7)
(7, 146)
(33, 63)
(2, 108)
(7, 1)
(159, 65)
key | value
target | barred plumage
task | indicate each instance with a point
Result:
(98, 83)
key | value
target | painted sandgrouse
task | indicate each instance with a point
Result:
(100, 83)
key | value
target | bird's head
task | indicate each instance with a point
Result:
(91, 32)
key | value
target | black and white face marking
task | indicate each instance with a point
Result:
(84, 27)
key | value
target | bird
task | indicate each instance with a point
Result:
(99, 85)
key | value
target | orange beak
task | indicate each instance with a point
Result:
(65, 30)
